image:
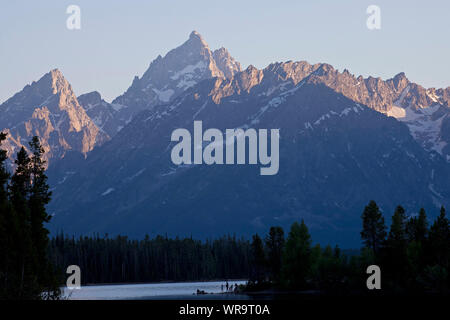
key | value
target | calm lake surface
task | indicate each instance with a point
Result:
(174, 290)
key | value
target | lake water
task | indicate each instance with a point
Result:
(174, 290)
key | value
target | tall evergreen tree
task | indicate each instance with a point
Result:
(373, 233)
(39, 197)
(24, 261)
(439, 238)
(297, 256)
(397, 232)
(397, 244)
(258, 260)
(416, 234)
(417, 227)
(275, 245)
(19, 188)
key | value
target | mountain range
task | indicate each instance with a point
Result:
(344, 140)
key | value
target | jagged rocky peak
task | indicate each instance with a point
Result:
(36, 93)
(250, 77)
(49, 109)
(179, 70)
(181, 66)
(417, 97)
(54, 83)
(290, 70)
(268, 81)
(52, 91)
(226, 63)
(106, 116)
(324, 69)
(444, 95)
(91, 98)
(195, 36)
(400, 81)
(53, 80)
(59, 83)
(376, 93)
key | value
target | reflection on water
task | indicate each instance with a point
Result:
(175, 290)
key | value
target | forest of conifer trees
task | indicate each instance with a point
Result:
(413, 257)
(119, 259)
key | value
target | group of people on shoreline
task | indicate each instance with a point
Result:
(229, 288)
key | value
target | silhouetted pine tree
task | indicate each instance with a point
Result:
(258, 260)
(397, 234)
(417, 227)
(396, 245)
(373, 233)
(25, 284)
(416, 233)
(440, 240)
(297, 256)
(275, 244)
(39, 197)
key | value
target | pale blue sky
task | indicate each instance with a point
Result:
(119, 39)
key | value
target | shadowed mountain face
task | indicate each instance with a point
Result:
(106, 116)
(344, 140)
(335, 156)
(49, 109)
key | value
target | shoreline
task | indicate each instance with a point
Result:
(158, 282)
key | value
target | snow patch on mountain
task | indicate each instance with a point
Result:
(137, 174)
(67, 175)
(189, 71)
(200, 110)
(118, 106)
(396, 112)
(423, 123)
(108, 191)
(275, 102)
(164, 95)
